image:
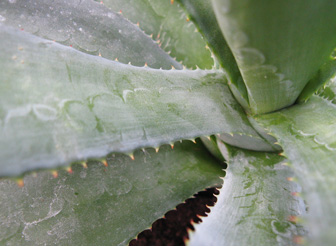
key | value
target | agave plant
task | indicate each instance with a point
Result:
(125, 87)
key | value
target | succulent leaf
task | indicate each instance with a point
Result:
(87, 26)
(101, 205)
(60, 105)
(202, 13)
(278, 45)
(322, 77)
(254, 204)
(307, 134)
(170, 27)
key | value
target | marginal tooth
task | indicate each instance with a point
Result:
(291, 179)
(208, 137)
(172, 145)
(157, 149)
(120, 12)
(295, 193)
(138, 24)
(105, 163)
(172, 1)
(84, 164)
(299, 240)
(293, 218)
(173, 68)
(146, 65)
(69, 170)
(20, 182)
(193, 140)
(54, 174)
(131, 155)
(116, 59)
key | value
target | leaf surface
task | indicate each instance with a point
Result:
(59, 105)
(307, 133)
(87, 26)
(254, 203)
(170, 27)
(278, 45)
(202, 13)
(104, 205)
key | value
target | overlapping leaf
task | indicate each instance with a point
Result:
(254, 204)
(169, 26)
(87, 26)
(202, 13)
(277, 51)
(307, 133)
(59, 105)
(103, 205)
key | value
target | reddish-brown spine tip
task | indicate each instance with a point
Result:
(69, 170)
(20, 182)
(105, 163)
(54, 174)
(299, 240)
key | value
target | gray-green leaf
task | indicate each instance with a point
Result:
(103, 205)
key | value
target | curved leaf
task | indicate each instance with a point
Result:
(87, 26)
(278, 45)
(307, 133)
(324, 74)
(254, 204)
(201, 12)
(169, 26)
(329, 91)
(103, 205)
(58, 105)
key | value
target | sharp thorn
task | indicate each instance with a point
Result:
(105, 163)
(20, 182)
(84, 164)
(131, 155)
(54, 174)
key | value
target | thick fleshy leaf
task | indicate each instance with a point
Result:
(101, 205)
(278, 45)
(87, 26)
(170, 27)
(307, 133)
(254, 204)
(59, 105)
(322, 78)
(329, 91)
(202, 13)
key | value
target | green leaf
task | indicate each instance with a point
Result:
(201, 12)
(104, 205)
(59, 105)
(254, 203)
(307, 133)
(278, 45)
(329, 91)
(169, 26)
(322, 77)
(87, 26)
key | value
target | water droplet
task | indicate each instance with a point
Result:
(80, 29)
(2, 18)
(12, 1)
